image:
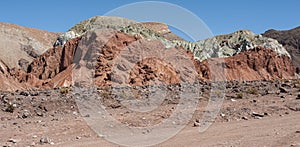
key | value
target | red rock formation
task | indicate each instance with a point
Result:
(142, 62)
(153, 71)
(255, 64)
(290, 39)
(53, 61)
(111, 49)
(118, 58)
(7, 82)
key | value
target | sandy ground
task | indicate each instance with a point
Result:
(51, 118)
(272, 131)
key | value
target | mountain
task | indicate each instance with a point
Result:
(114, 23)
(117, 51)
(290, 39)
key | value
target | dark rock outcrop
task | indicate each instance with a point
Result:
(290, 39)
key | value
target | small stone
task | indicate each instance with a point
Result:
(14, 105)
(233, 100)
(102, 136)
(25, 114)
(273, 92)
(45, 140)
(282, 96)
(196, 124)
(39, 113)
(34, 136)
(13, 140)
(24, 93)
(298, 97)
(244, 118)
(297, 132)
(34, 93)
(222, 114)
(257, 114)
(283, 90)
(78, 137)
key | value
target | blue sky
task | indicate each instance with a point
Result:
(221, 16)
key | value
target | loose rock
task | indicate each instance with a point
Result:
(24, 93)
(257, 114)
(45, 140)
(13, 140)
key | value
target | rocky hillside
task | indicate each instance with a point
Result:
(290, 39)
(216, 47)
(230, 45)
(20, 45)
(94, 23)
(114, 23)
(128, 53)
(254, 64)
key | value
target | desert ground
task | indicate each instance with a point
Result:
(258, 113)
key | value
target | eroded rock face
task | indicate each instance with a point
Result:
(115, 58)
(8, 82)
(255, 64)
(53, 61)
(98, 50)
(23, 43)
(146, 62)
(142, 54)
(290, 39)
(153, 71)
(230, 45)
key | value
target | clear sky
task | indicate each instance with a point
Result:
(221, 16)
